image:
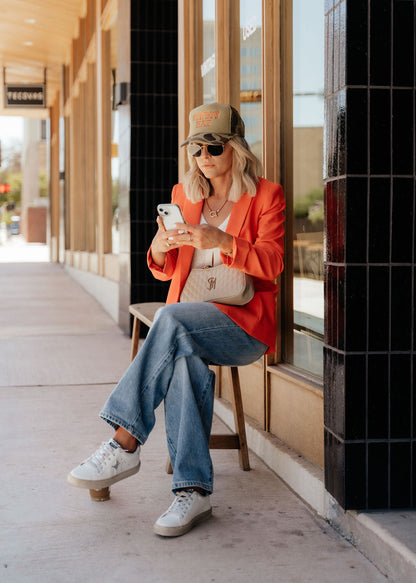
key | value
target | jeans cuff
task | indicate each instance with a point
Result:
(192, 484)
(115, 423)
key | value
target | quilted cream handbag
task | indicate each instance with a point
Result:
(218, 284)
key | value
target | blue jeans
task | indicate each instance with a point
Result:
(172, 365)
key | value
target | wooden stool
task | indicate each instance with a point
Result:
(145, 313)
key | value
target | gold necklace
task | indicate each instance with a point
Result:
(213, 213)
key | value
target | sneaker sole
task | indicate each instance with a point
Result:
(179, 530)
(98, 484)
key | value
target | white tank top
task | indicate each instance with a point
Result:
(202, 257)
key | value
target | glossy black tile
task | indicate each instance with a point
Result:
(157, 174)
(355, 308)
(355, 475)
(403, 43)
(378, 475)
(355, 396)
(380, 131)
(400, 396)
(378, 308)
(380, 42)
(328, 301)
(146, 46)
(139, 270)
(379, 220)
(331, 137)
(340, 320)
(370, 304)
(329, 51)
(400, 475)
(357, 44)
(154, 111)
(334, 393)
(161, 77)
(378, 396)
(334, 466)
(341, 134)
(149, 292)
(403, 131)
(414, 474)
(342, 57)
(333, 305)
(414, 397)
(156, 15)
(142, 233)
(401, 300)
(336, 49)
(331, 220)
(335, 220)
(356, 131)
(356, 220)
(402, 232)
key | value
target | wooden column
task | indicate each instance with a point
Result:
(103, 140)
(54, 179)
(90, 159)
(227, 52)
(189, 72)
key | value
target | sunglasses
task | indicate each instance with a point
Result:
(195, 150)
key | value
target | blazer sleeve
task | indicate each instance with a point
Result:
(258, 250)
(165, 272)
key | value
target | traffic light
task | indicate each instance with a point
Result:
(4, 188)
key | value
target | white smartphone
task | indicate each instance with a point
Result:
(171, 214)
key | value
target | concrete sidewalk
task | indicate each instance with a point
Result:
(60, 356)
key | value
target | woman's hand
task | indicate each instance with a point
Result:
(200, 237)
(161, 244)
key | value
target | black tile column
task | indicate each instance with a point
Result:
(370, 316)
(153, 139)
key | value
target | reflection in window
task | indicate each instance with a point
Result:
(250, 73)
(208, 61)
(308, 119)
(115, 233)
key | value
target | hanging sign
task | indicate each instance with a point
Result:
(24, 95)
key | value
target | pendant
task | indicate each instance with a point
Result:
(213, 214)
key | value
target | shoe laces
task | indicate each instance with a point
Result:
(103, 453)
(182, 502)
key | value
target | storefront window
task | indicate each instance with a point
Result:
(208, 51)
(115, 233)
(308, 194)
(250, 72)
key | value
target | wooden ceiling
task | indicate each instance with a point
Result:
(34, 35)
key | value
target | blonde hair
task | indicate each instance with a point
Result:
(245, 171)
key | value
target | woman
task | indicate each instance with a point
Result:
(232, 217)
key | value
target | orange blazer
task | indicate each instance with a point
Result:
(256, 224)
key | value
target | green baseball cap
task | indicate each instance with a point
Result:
(214, 123)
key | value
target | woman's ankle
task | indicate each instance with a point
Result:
(126, 440)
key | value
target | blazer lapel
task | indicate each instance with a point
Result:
(192, 215)
(238, 215)
(192, 211)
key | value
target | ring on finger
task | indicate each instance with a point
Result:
(190, 237)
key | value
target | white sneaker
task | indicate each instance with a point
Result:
(188, 508)
(109, 464)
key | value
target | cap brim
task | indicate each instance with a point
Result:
(206, 138)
